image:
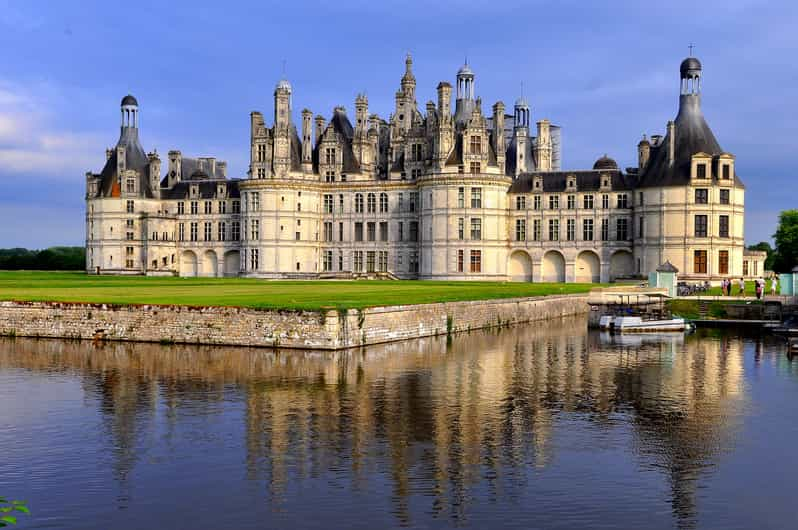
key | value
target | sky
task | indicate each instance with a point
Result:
(606, 72)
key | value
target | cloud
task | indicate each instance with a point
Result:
(33, 142)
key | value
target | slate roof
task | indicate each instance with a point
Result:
(341, 125)
(692, 135)
(586, 180)
(667, 267)
(135, 158)
(207, 189)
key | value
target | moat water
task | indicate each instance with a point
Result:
(540, 426)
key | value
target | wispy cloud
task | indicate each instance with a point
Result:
(32, 141)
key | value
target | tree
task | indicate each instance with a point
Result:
(10, 507)
(764, 246)
(786, 238)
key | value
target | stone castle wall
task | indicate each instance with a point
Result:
(329, 329)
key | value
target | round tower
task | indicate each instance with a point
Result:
(130, 112)
(690, 71)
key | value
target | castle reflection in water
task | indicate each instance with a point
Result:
(480, 410)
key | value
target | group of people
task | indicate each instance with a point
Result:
(727, 285)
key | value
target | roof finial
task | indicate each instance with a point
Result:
(690, 47)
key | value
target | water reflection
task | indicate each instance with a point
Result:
(443, 427)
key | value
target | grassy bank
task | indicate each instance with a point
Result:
(245, 292)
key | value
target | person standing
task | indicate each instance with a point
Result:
(742, 287)
(758, 289)
(773, 285)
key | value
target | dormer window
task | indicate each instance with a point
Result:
(537, 184)
(726, 172)
(329, 156)
(476, 145)
(131, 185)
(571, 183)
(701, 171)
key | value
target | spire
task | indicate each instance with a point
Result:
(408, 78)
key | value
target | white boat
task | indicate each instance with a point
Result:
(637, 324)
(605, 322)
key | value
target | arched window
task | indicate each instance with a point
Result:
(358, 203)
(372, 203)
(383, 202)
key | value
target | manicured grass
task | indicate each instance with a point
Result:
(244, 292)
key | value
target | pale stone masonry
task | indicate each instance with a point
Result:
(325, 329)
(440, 193)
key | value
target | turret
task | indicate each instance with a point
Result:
(130, 112)
(307, 142)
(464, 104)
(282, 104)
(361, 115)
(409, 80)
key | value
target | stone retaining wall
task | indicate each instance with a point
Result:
(328, 329)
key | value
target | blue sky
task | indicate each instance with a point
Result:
(607, 72)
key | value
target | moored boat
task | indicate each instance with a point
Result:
(637, 324)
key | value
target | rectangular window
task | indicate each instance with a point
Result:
(208, 207)
(370, 261)
(520, 230)
(382, 264)
(460, 260)
(383, 230)
(358, 203)
(413, 230)
(194, 207)
(745, 268)
(235, 230)
(570, 229)
(222, 206)
(358, 231)
(640, 227)
(536, 202)
(401, 235)
(476, 229)
(131, 185)
(383, 203)
(554, 229)
(726, 172)
(461, 228)
(476, 145)
(254, 259)
(723, 226)
(298, 236)
(414, 261)
(605, 229)
(329, 176)
(605, 201)
(520, 203)
(723, 262)
(536, 230)
(476, 261)
(724, 196)
(236, 206)
(587, 202)
(357, 260)
(181, 231)
(700, 262)
(413, 201)
(571, 202)
(701, 171)
(621, 229)
(476, 197)
(328, 203)
(461, 197)
(587, 229)
(181, 208)
(193, 231)
(327, 263)
(371, 231)
(329, 156)
(623, 200)
(222, 230)
(328, 231)
(340, 231)
(371, 203)
(340, 203)
(701, 196)
(416, 152)
(474, 167)
(254, 229)
(130, 207)
(554, 202)
(700, 226)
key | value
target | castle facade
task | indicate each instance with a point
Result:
(448, 193)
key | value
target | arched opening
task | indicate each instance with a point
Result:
(210, 264)
(621, 265)
(553, 267)
(520, 267)
(188, 264)
(588, 267)
(232, 263)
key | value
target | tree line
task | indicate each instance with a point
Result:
(49, 259)
(784, 256)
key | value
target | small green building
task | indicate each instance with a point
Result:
(665, 276)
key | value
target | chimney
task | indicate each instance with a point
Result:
(444, 99)
(671, 142)
(643, 151)
(320, 124)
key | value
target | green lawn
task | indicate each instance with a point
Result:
(244, 292)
